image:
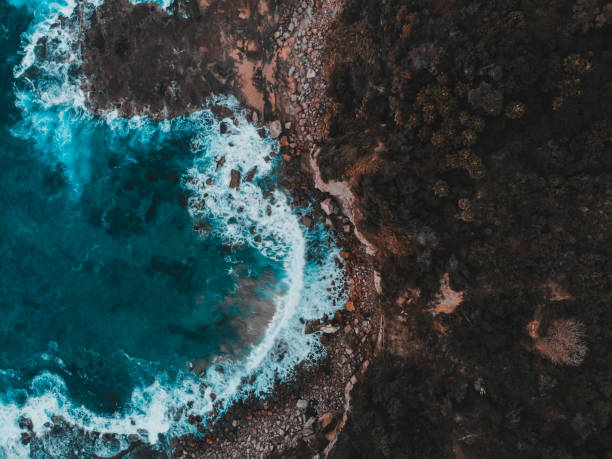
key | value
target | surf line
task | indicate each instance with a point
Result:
(56, 120)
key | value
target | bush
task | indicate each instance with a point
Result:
(564, 344)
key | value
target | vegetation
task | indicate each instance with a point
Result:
(564, 343)
(496, 168)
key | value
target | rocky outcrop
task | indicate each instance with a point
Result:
(342, 192)
(138, 59)
(235, 178)
(467, 147)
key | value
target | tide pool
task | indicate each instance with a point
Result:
(135, 281)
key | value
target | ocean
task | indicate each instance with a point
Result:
(136, 282)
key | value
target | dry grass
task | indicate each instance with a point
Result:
(564, 343)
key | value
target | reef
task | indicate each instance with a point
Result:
(467, 147)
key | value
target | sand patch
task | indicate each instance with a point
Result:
(245, 70)
(447, 299)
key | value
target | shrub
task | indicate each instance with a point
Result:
(564, 344)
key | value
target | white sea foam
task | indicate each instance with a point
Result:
(55, 120)
(164, 3)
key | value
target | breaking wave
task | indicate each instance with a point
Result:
(255, 214)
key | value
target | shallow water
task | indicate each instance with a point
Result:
(128, 260)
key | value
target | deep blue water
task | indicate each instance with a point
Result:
(127, 260)
(92, 280)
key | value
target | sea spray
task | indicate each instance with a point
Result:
(254, 214)
(165, 4)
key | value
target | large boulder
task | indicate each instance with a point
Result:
(275, 129)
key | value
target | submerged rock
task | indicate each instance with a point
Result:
(329, 329)
(307, 222)
(26, 437)
(235, 180)
(251, 174)
(26, 423)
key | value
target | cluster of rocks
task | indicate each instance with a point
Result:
(58, 434)
(141, 60)
(310, 411)
(300, 86)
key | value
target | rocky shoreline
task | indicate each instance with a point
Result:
(304, 417)
(284, 85)
(460, 150)
(307, 413)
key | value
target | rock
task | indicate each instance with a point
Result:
(26, 438)
(58, 420)
(275, 129)
(235, 180)
(349, 306)
(328, 206)
(26, 423)
(307, 222)
(487, 98)
(311, 74)
(345, 255)
(251, 174)
(329, 329)
(301, 404)
(287, 158)
(220, 163)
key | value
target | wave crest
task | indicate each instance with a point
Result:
(255, 213)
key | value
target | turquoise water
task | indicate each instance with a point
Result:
(128, 263)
